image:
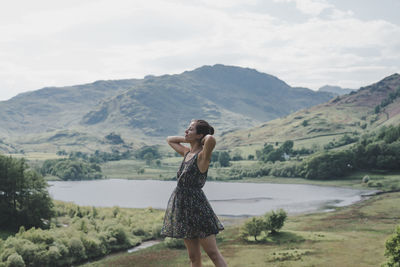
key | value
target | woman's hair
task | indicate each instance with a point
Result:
(202, 127)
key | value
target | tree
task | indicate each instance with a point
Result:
(71, 169)
(140, 171)
(276, 155)
(287, 147)
(149, 158)
(275, 220)
(148, 149)
(114, 138)
(223, 159)
(253, 227)
(24, 199)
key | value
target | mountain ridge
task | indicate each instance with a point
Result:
(148, 109)
(350, 113)
(337, 90)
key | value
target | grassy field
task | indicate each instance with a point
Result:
(128, 169)
(351, 236)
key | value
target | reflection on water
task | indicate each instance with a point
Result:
(229, 199)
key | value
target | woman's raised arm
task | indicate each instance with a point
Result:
(175, 143)
(208, 143)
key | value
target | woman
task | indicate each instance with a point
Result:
(189, 214)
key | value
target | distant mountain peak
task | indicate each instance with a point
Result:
(337, 90)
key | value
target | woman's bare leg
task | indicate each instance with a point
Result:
(209, 245)
(193, 248)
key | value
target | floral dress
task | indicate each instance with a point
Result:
(189, 214)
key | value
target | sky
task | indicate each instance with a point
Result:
(308, 43)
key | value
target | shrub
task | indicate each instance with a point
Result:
(274, 220)
(117, 238)
(93, 247)
(76, 250)
(253, 227)
(365, 179)
(174, 243)
(156, 231)
(139, 231)
(15, 260)
(393, 249)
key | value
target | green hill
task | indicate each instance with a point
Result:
(354, 112)
(147, 110)
(229, 97)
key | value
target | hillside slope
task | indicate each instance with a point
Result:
(354, 112)
(229, 97)
(53, 108)
(149, 109)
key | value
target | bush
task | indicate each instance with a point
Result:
(76, 250)
(270, 222)
(15, 260)
(117, 238)
(71, 169)
(253, 227)
(138, 231)
(93, 247)
(53, 256)
(329, 165)
(393, 249)
(156, 231)
(174, 243)
(274, 220)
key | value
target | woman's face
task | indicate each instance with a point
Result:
(191, 134)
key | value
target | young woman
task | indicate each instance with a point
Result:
(189, 214)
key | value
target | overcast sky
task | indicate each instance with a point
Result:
(310, 43)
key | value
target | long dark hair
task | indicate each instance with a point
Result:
(203, 127)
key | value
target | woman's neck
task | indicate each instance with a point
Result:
(195, 147)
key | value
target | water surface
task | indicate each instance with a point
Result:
(229, 199)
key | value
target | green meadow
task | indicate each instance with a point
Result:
(350, 236)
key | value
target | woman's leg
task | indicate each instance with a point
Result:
(193, 248)
(209, 245)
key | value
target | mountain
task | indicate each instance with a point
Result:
(148, 109)
(229, 97)
(54, 108)
(337, 90)
(368, 108)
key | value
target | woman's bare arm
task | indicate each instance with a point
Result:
(175, 143)
(205, 155)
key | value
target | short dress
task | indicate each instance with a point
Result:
(189, 214)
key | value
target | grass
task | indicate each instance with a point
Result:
(128, 169)
(350, 236)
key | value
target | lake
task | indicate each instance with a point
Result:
(227, 199)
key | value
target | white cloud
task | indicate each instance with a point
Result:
(84, 41)
(310, 7)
